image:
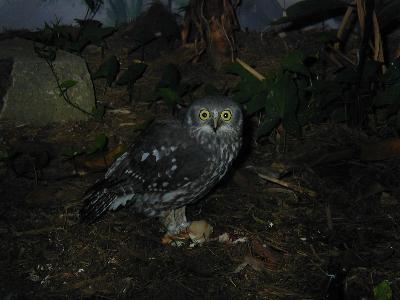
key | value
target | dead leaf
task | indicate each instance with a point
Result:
(272, 256)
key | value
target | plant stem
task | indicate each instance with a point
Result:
(64, 93)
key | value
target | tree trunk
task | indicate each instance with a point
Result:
(210, 24)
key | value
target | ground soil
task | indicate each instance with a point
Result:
(328, 229)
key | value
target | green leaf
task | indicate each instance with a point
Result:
(67, 84)
(100, 144)
(294, 62)
(237, 69)
(246, 89)
(282, 98)
(266, 127)
(185, 88)
(134, 72)
(170, 96)
(211, 90)
(108, 69)
(170, 77)
(93, 33)
(249, 86)
(383, 291)
(256, 103)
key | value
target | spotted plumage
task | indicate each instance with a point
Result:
(173, 163)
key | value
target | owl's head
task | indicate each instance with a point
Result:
(215, 115)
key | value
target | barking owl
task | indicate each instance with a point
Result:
(172, 164)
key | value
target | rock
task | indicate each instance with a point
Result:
(28, 89)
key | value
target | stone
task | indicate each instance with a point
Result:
(28, 89)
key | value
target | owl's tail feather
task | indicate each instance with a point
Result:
(97, 202)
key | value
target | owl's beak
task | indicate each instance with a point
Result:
(216, 123)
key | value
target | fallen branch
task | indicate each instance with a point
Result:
(289, 185)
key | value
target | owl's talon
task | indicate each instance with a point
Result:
(175, 221)
(198, 232)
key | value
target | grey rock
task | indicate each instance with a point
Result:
(28, 89)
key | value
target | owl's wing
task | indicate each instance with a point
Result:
(163, 158)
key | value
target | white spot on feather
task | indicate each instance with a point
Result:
(144, 156)
(173, 148)
(156, 153)
(120, 201)
(174, 167)
(115, 164)
(170, 196)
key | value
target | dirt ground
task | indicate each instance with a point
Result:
(327, 228)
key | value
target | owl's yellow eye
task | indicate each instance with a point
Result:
(226, 115)
(204, 114)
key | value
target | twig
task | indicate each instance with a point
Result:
(361, 14)
(378, 48)
(250, 69)
(343, 25)
(340, 54)
(289, 185)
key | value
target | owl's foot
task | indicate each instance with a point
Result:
(175, 221)
(197, 232)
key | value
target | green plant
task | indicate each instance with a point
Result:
(49, 55)
(298, 93)
(93, 7)
(130, 76)
(171, 88)
(280, 97)
(362, 91)
(108, 69)
(62, 37)
(383, 291)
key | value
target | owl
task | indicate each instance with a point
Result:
(172, 164)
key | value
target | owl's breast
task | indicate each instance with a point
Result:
(221, 158)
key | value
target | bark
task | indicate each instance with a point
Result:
(211, 24)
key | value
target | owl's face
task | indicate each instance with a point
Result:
(215, 116)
